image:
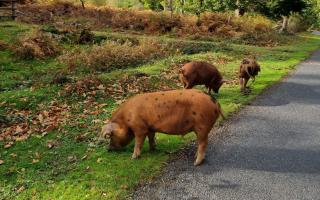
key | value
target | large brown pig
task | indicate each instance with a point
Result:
(175, 112)
(201, 73)
(249, 68)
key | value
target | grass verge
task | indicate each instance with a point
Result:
(66, 163)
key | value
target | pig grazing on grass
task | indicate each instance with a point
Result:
(175, 112)
(249, 68)
(201, 73)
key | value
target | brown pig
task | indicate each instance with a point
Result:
(201, 73)
(249, 68)
(175, 112)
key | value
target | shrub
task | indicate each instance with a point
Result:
(70, 33)
(296, 23)
(85, 36)
(86, 85)
(210, 24)
(110, 55)
(36, 44)
(190, 47)
(3, 45)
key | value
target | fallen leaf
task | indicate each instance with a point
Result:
(96, 112)
(124, 186)
(119, 102)
(72, 159)
(35, 161)
(84, 157)
(11, 169)
(44, 133)
(99, 160)
(22, 138)
(1, 162)
(8, 145)
(40, 117)
(22, 188)
(50, 144)
(101, 87)
(13, 155)
(46, 113)
(95, 121)
(18, 130)
(50, 128)
(37, 155)
(81, 137)
(102, 105)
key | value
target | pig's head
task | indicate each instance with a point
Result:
(256, 68)
(217, 84)
(119, 136)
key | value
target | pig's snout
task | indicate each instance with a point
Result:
(113, 147)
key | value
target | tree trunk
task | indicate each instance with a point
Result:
(201, 3)
(198, 13)
(171, 7)
(182, 6)
(237, 10)
(82, 4)
(284, 24)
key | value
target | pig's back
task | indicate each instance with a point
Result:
(204, 71)
(172, 112)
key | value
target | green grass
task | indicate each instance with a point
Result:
(96, 173)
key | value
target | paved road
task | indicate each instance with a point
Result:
(270, 150)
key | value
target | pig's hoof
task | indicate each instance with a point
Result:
(198, 162)
(134, 157)
(246, 91)
(152, 149)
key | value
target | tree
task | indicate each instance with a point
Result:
(171, 7)
(283, 8)
(180, 5)
(152, 4)
(311, 13)
(82, 4)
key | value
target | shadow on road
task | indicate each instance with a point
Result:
(296, 92)
(271, 160)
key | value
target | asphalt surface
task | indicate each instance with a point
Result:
(270, 150)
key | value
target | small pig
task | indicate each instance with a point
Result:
(175, 112)
(249, 68)
(201, 73)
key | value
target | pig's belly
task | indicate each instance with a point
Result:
(174, 127)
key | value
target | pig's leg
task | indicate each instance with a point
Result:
(139, 139)
(241, 84)
(253, 79)
(245, 82)
(189, 83)
(202, 145)
(152, 142)
(188, 86)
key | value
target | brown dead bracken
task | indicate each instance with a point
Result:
(175, 112)
(201, 73)
(249, 68)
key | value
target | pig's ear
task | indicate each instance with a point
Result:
(223, 81)
(107, 129)
(259, 68)
(245, 61)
